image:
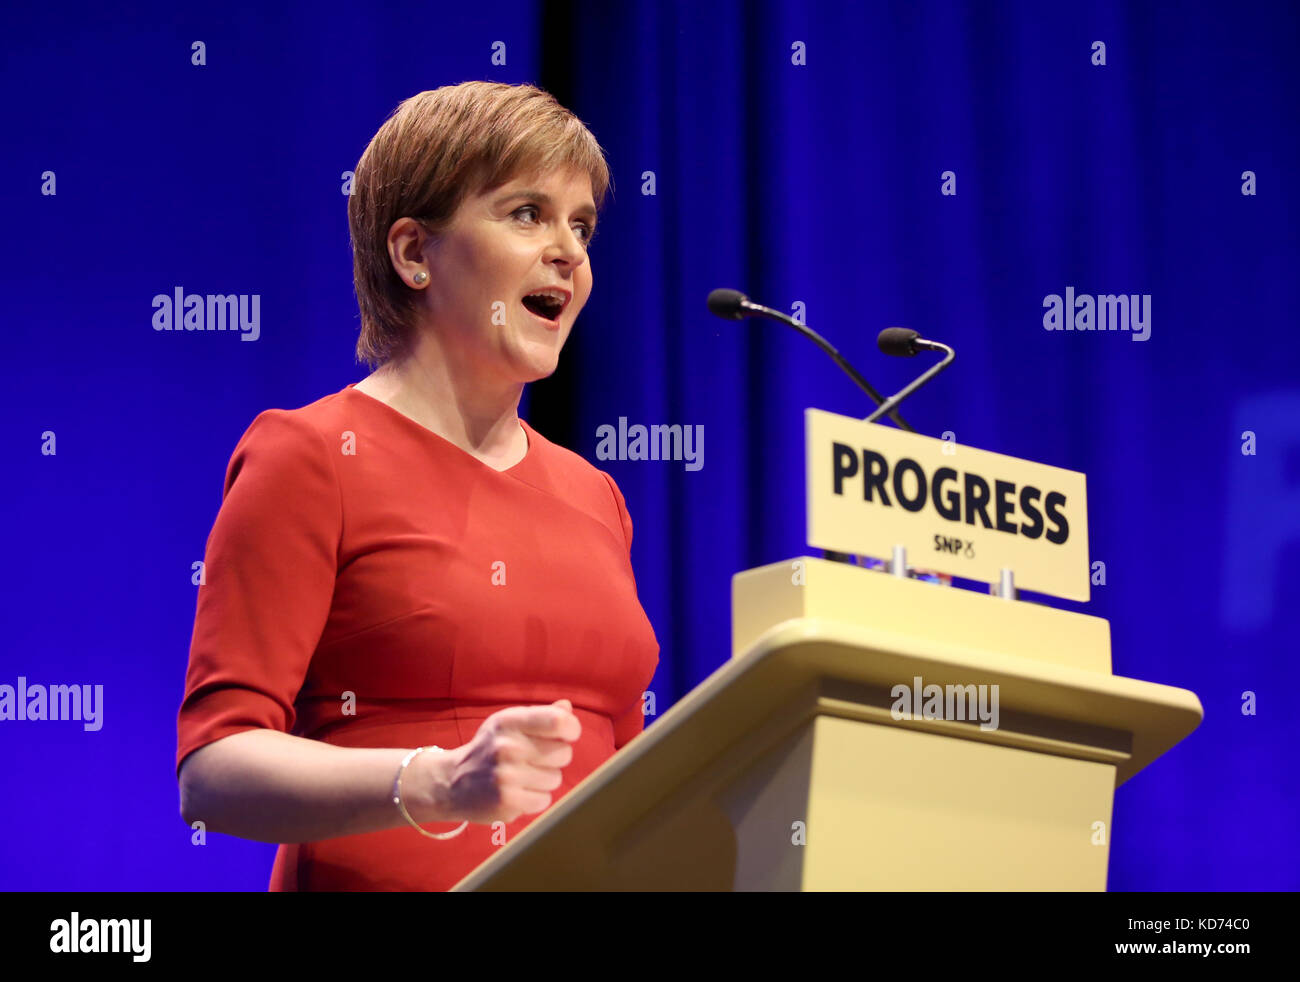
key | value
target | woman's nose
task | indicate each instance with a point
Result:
(567, 246)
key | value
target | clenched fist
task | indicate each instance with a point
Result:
(509, 769)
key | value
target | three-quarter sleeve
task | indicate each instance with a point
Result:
(269, 573)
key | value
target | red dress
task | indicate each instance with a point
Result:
(356, 551)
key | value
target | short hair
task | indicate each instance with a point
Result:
(436, 149)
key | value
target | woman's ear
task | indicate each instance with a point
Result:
(408, 244)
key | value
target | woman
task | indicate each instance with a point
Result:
(405, 563)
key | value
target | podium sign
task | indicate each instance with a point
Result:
(959, 510)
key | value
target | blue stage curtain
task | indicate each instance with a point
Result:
(796, 151)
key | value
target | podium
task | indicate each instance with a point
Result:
(792, 767)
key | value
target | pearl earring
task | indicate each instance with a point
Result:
(420, 277)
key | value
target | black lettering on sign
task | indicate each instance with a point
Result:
(846, 464)
(876, 473)
(1005, 506)
(977, 500)
(956, 496)
(947, 504)
(1028, 494)
(1052, 505)
(909, 466)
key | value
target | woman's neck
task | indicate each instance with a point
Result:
(460, 406)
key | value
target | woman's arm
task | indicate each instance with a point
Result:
(273, 787)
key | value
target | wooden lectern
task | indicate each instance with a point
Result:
(789, 769)
(878, 732)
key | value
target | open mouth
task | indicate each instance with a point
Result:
(544, 305)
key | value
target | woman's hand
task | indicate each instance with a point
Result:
(509, 769)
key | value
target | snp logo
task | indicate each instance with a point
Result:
(955, 546)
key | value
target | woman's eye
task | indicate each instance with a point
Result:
(531, 214)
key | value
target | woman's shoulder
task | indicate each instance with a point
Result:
(283, 444)
(570, 466)
(583, 483)
(297, 425)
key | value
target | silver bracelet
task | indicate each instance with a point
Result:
(397, 798)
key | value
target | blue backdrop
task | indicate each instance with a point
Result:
(795, 151)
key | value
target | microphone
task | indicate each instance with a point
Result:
(903, 342)
(730, 304)
(734, 305)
